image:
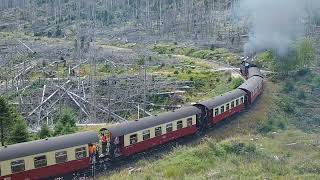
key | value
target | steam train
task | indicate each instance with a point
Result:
(57, 156)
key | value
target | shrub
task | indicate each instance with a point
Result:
(176, 72)
(187, 51)
(265, 59)
(233, 147)
(106, 68)
(203, 54)
(303, 72)
(286, 104)
(236, 82)
(316, 80)
(164, 48)
(301, 94)
(275, 122)
(219, 150)
(288, 87)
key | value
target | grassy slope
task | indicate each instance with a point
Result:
(260, 157)
(238, 151)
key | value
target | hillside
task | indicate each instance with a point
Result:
(267, 142)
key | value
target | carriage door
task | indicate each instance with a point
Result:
(203, 119)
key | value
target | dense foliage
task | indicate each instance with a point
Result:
(65, 122)
(219, 54)
(13, 127)
(300, 56)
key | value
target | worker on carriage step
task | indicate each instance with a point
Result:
(92, 150)
(103, 143)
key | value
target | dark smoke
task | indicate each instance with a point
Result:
(275, 24)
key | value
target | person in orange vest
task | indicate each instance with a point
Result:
(94, 149)
(91, 151)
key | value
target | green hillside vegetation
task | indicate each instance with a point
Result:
(280, 139)
(271, 156)
(276, 148)
(219, 54)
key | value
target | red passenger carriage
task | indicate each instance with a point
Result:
(46, 158)
(135, 136)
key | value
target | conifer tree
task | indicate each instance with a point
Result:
(44, 132)
(19, 133)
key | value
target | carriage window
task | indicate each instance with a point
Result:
(61, 157)
(189, 122)
(158, 131)
(227, 107)
(81, 153)
(237, 102)
(146, 134)
(40, 161)
(216, 112)
(179, 125)
(133, 139)
(17, 166)
(169, 127)
(222, 109)
(232, 104)
(241, 100)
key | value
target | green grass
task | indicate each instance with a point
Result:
(215, 54)
(243, 157)
(277, 142)
(173, 49)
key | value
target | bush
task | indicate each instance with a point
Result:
(301, 94)
(286, 105)
(203, 54)
(65, 123)
(303, 72)
(265, 59)
(275, 122)
(236, 82)
(173, 49)
(288, 87)
(176, 72)
(238, 148)
(186, 51)
(219, 150)
(164, 48)
(106, 68)
(316, 80)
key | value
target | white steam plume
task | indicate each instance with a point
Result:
(275, 24)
